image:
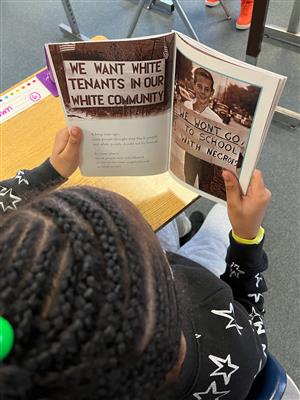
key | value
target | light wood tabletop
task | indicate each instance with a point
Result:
(27, 139)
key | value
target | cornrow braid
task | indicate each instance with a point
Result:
(91, 298)
(131, 255)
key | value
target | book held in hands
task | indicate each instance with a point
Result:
(165, 103)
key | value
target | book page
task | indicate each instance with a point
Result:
(216, 54)
(219, 117)
(119, 93)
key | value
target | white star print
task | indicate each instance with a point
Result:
(259, 368)
(197, 335)
(8, 200)
(220, 363)
(254, 314)
(256, 296)
(226, 314)
(258, 279)
(21, 177)
(213, 390)
(260, 327)
(235, 270)
(264, 348)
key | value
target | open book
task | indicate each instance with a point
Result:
(165, 103)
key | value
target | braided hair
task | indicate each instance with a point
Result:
(90, 295)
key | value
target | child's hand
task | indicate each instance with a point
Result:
(65, 153)
(246, 212)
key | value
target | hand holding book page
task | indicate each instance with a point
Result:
(165, 103)
(246, 212)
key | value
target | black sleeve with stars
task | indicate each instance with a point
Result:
(17, 191)
(245, 264)
(222, 321)
(223, 327)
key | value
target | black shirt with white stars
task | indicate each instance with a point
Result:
(222, 319)
(222, 323)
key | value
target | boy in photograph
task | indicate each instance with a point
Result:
(193, 166)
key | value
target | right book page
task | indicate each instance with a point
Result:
(221, 111)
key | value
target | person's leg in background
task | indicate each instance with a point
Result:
(183, 223)
(211, 3)
(205, 175)
(244, 19)
(180, 230)
(168, 237)
(190, 168)
(209, 245)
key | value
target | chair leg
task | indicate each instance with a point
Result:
(136, 17)
(151, 4)
(228, 16)
(184, 18)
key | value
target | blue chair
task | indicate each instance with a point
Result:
(273, 383)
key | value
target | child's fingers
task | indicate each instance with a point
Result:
(257, 188)
(75, 135)
(61, 140)
(257, 181)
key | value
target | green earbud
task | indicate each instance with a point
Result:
(6, 338)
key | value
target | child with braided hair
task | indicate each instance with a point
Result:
(100, 311)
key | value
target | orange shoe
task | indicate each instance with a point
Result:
(211, 3)
(245, 17)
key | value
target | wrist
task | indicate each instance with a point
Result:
(245, 239)
(57, 168)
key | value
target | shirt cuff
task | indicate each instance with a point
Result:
(256, 240)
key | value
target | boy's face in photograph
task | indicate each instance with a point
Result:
(204, 90)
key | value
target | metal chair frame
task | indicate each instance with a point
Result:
(176, 6)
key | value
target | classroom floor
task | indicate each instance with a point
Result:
(27, 25)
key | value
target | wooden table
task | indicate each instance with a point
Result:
(26, 141)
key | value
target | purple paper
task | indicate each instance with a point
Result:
(46, 80)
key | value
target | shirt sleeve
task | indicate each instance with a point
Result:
(17, 191)
(244, 266)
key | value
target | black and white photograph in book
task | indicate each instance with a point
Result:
(124, 79)
(212, 119)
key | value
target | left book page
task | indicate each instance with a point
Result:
(119, 93)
